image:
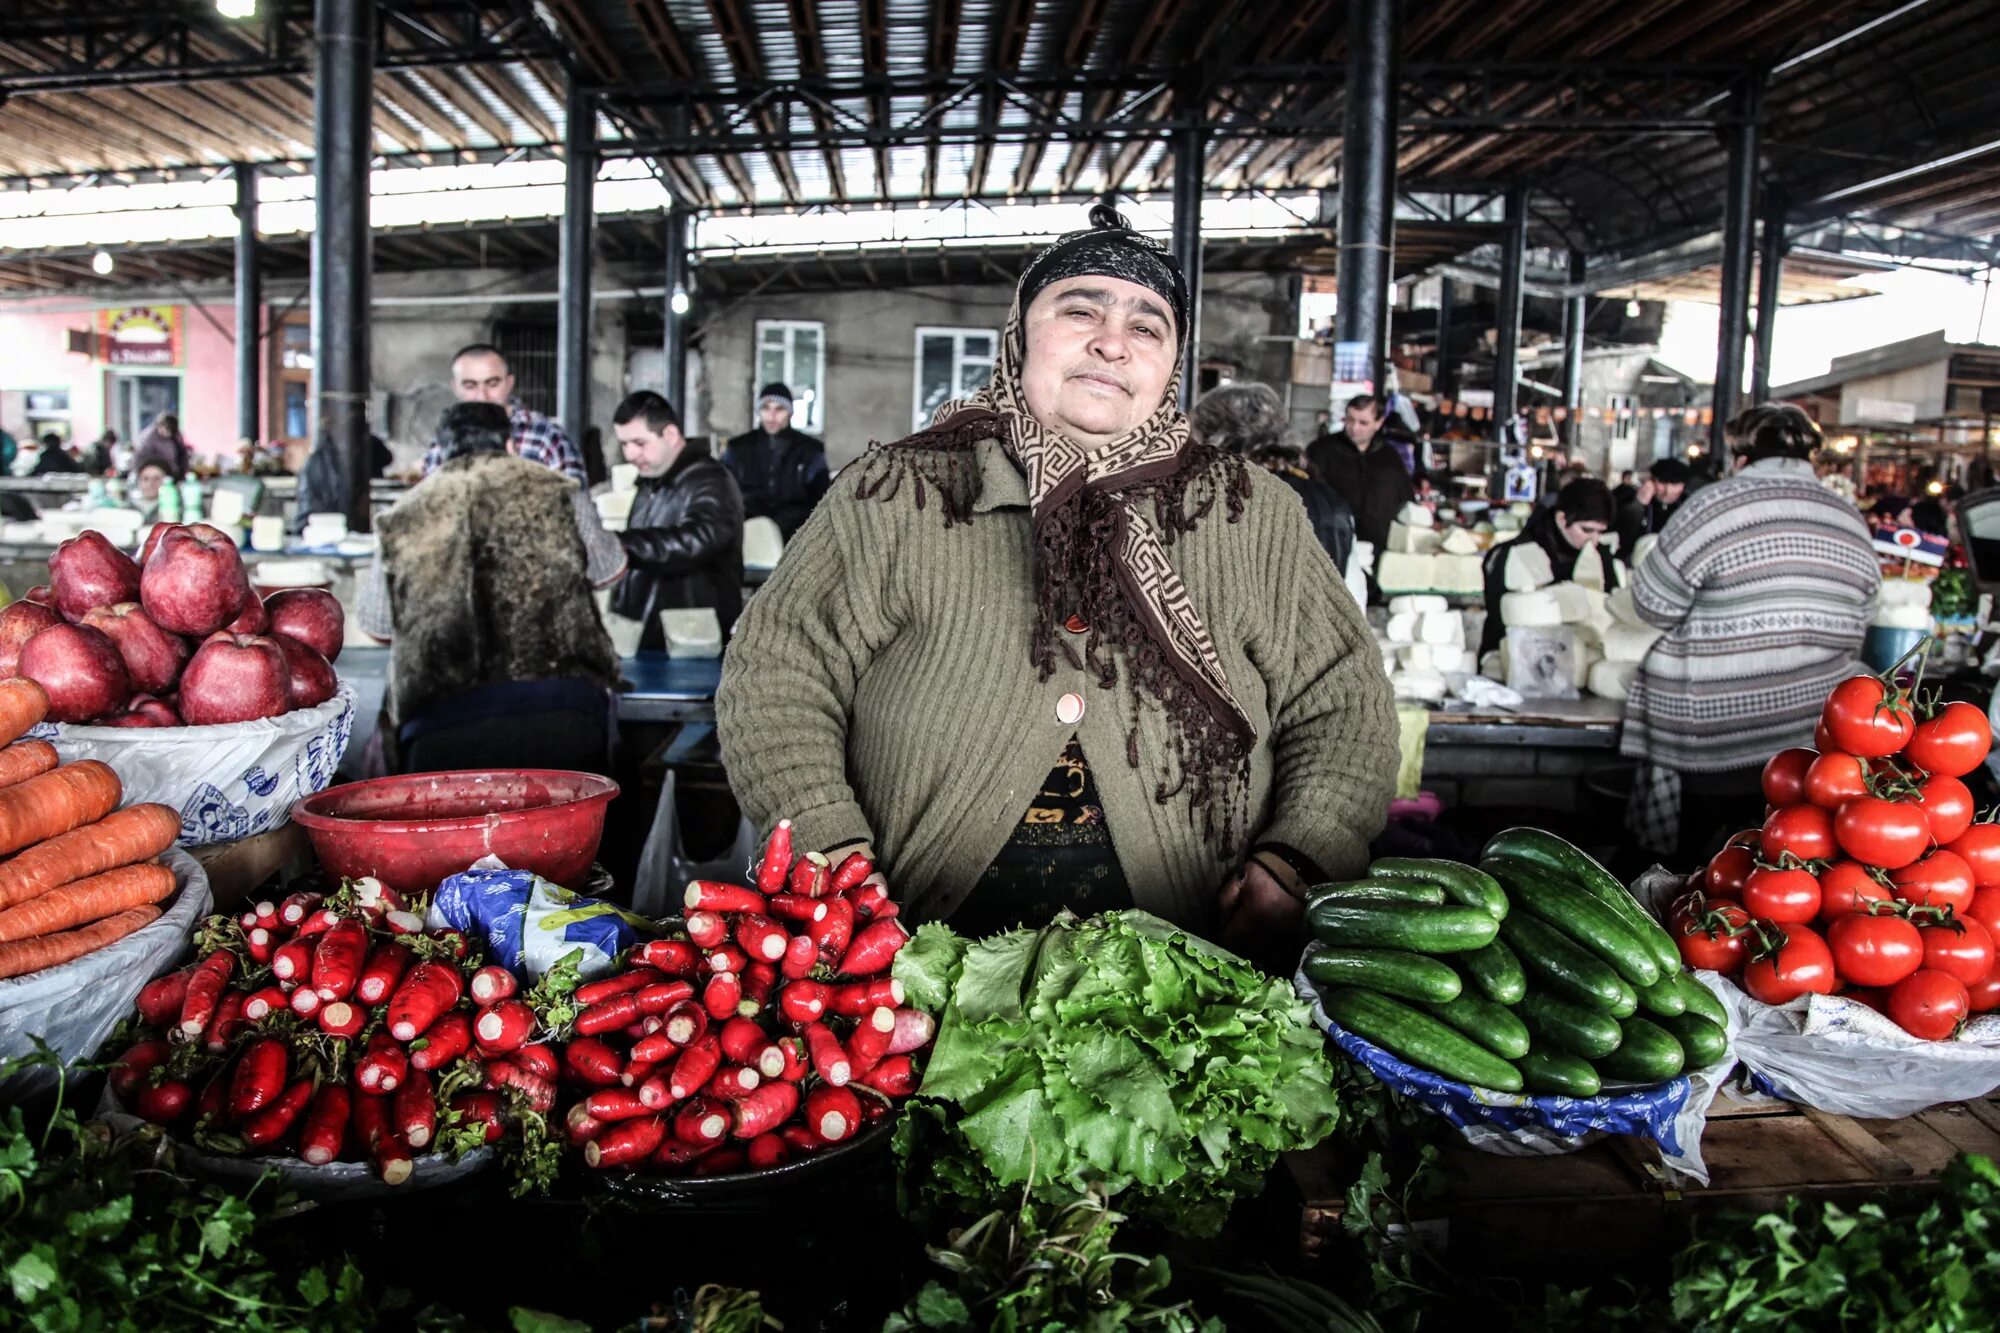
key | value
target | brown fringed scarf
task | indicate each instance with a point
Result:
(1103, 520)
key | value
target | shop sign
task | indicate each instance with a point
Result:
(147, 335)
(1892, 411)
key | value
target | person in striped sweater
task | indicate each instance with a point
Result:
(1761, 585)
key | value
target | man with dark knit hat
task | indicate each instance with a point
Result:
(781, 471)
(1655, 501)
(1052, 653)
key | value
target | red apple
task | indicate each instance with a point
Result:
(153, 535)
(20, 622)
(311, 678)
(80, 670)
(254, 619)
(194, 583)
(153, 657)
(158, 712)
(87, 571)
(40, 595)
(233, 678)
(313, 616)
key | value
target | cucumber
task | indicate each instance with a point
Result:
(1567, 969)
(1376, 891)
(1493, 1026)
(1396, 926)
(1551, 1073)
(1496, 972)
(1578, 867)
(1578, 914)
(1701, 1000)
(1420, 1039)
(1409, 976)
(1663, 999)
(1704, 1042)
(1568, 1027)
(1647, 1053)
(1467, 885)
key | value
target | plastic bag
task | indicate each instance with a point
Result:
(664, 868)
(529, 924)
(227, 781)
(75, 1007)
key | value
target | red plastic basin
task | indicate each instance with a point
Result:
(414, 830)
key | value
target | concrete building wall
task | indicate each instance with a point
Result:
(1924, 387)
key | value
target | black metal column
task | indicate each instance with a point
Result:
(1190, 154)
(674, 346)
(1368, 183)
(343, 101)
(1770, 296)
(1446, 382)
(1574, 313)
(250, 346)
(1507, 314)
(1738, 233)
(573, 285)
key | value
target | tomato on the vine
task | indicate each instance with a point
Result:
(1786, 895)
(1822, 738)
(1846, 886)
(1726, 872)
(1947, 805)
(1939, 880)
(1930, 1005)
(1785, 776)
(1875, 950)
(1961, 948)
(1864, 717)
(1710, 934)
(1953, 741)
(1805, 831)
(1887, 834)
(1979, 847)
(1985, 993)
(1835, 779)
(1800, 964)
(1985, 910)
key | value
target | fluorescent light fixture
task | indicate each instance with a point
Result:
(236, 9)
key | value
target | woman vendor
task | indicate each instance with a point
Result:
(1052, 653)
(1567, 533)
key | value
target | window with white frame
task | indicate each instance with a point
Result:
(951, 363)
(792, 352)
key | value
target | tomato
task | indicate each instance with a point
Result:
(1835, 779)
(1985, 994)
(1985, 910)
(1951, 743)
(1875, 950)
(1785, 776)
(1929, 1004)
(1939, 880)
(1703, 930)
(1874, 997)
(1979, 847)
(1846, 886)
(1788, 897)
(1822, 738)
(1962, 949)
(1801, 964)
(1888, 834)
(1726, 873)
(1864, 718)
(1948, 806)
(1806, 831)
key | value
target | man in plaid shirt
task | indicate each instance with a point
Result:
(480, 374)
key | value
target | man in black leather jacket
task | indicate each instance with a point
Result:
(782, 471)
(685, 534)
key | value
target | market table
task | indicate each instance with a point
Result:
(1541, 754)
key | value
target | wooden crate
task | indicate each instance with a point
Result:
(238, 869)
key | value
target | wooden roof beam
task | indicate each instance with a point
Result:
(739, 40)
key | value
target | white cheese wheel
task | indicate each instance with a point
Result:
(1441, 627)
(1459, 542)
(1527, 568)
(1416, 515)
(1403, 572)
(1574, 599)
(1613, 680)
(1421, 686)
(1530, 610)
(1449, 658)
(1412, 540)
(1402, 627)
(1618, 604)
(1416, 656)
(1629, 643)
(1416, 604)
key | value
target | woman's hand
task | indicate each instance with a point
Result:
(1260, 920)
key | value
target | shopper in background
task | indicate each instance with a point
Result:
(1761, 584)
(98, 459)
(163, 443)
(685, 532)
(53, 457)
(1567, 532)
(480, 374)
(1652, 504)
(1249, 419)
(1365, 469)
(780, 470)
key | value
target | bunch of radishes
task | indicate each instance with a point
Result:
(771, 1030)
(337, 1028)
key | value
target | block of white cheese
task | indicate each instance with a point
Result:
(1422, 686)
(1416, 604)
(1587, 656)
(1530, 610)
(1416, 516)
(1897, 616)
(1619, 604)
(1613, 680)
(1459, 542)
(1441, 627)
(1460, 574)
(1416, 656)
(1402, 627)
(1494, 664)
(1589, 571)
(1412, 540)
(1903, 592)
(1629, 643)
(1644, 548)
(1449, 658)
(1586, 632)
(1573, 598)
(1401, 571)
(1528, 568)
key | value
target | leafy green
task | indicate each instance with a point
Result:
(1115, 1052)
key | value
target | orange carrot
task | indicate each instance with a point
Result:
(22, 705)
(87, 900)
(25, 759)
(138, 833)
(25, 956)
(54, 803)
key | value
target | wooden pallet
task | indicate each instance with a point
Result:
(1612, 1202)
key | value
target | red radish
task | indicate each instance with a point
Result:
(791, 907)
(341, 1019)
(767, 1151)
(871, 1038)
(914, 1030)
(213, 1100)
(414, 1114)
(706, 895)
(665, 996)
(742, 1041)
(777, 858)
(765, 1109)
(252, 917)
(759, 980)
(539, 1060)
(275, 1121)
(384, 969)
(637, 1072)
(727, 958)
(204, 991)
(261, 1004)
(811, 877)
(685, 1024)
(370, 1118)
(650, 1050)
(228, 1020)
(140, 1059)
(829, 1057)
(653, 1091)
(851, 872)
(260, 944)
(895, 1076)
(873, 949)
(676, 958)
(858, 999)
(492, 984)
(319, 921)
(694, 1067)
(403, 923)
(721, 1162)
(325, 1129)
(800, 1138)
(592, 1061)
(732, 1081)
(873, 1109)
(392, 1159)
(481, 1108)
(337, 960)
(721, 995)
(382, 1067)
(443, 1043)
(804, 1001)
(706, 929)
(701, 1121)
(622, 1145)
(761, 937)
(160, 999)
(800, 957)
(292, 961)
(677, 1155)
(163, 1103)
(612, 1104)
(455, 940)
(885, 911)
(833, 1113)
(597, 992)
(501, 1028)
(294, 909)
(870, 897)
(619, 1011)
(305, 1001)
(581, 1126)
(426, 992)
(792, 1051)
(831, 934)
(540, 1092)
(259, 1077)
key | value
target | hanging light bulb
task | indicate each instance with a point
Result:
(236, 9)
(678, 302)
(101, 263)
(1633, 308)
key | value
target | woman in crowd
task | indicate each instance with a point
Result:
(1248, 420)
(1567, 532)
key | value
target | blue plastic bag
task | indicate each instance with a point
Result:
(529, 924)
